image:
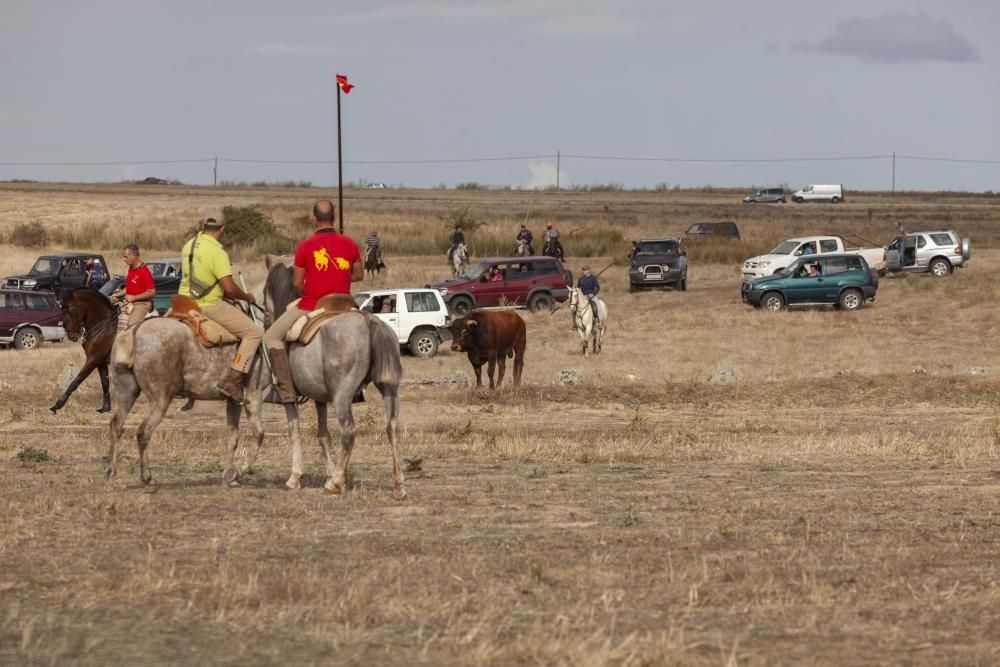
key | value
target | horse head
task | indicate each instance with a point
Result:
(73, 317)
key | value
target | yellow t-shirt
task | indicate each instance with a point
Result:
(211, 262)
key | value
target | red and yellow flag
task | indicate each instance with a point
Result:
(344, 84)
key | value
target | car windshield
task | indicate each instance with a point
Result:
(785, 248)
(360, 298)
(46, 265)
(475, 271)
(700, 228)
(656, 248)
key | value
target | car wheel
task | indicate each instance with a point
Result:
(423, 344)
(835, 200)
(851, 299)
(940, 267)
(782, 200)
(682, 284)
(632, 289)
(461, 305)
(797, 200)
(541, 302)
(27, 339)
(773, 301)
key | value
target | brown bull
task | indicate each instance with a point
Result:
(491, 337)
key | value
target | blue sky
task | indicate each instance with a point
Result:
(713, 80)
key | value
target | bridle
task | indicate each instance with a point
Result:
(86, 333)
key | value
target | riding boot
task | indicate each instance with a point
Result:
(283, 371)
(232, 386)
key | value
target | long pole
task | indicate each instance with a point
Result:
(894, 171)
(558, 160)
(340, 168)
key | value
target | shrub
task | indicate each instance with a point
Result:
(29, 235)
(595, 242)
(250, 230)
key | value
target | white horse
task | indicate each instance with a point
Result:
(583, 319)
(523, 249)
(459, 260)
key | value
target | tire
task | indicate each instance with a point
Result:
(851, 299)
(797, 200)
(461, 305)
(773, 301)
(541, 302)
(940, 267)
(835, 200)
(682, 284)
(424, 343)
(783, 201)
(632, 289)
(27, 338)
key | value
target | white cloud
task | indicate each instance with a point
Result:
(287, 49)
(895, 38)
(543, 175)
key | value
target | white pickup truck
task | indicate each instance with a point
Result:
(417, 315)
(788, 251)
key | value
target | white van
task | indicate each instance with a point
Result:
(831, 193)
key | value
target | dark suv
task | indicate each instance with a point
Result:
(841, 281)
(657, 263)
(766, 196)
(28, 318)
(538, 282)
(62, 273)
(714, 230)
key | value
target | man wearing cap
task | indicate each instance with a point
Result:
(325, 263)
(589, 287)
(204, 259)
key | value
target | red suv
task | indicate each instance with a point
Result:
(537, 282)
(28, 318)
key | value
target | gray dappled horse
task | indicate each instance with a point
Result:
(349, 351)
(459, 260)
(523, 249)
(161, 358)
(587, 325)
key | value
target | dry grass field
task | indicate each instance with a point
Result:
(722, 486)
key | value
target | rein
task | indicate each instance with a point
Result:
(97, 328)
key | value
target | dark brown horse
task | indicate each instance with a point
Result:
(88, 316)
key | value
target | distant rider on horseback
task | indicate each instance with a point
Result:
(551, 245)
(325, 263)
(589, 287)
(525, 236)
(374, 244)
(204, 260)
(456, 238)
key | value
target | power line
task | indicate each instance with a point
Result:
(925, 158)
(101, 163)
(439, 161)
(725, 160)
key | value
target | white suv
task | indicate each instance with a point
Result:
(939, 252)
(417, 315)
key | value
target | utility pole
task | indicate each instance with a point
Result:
(215, 172)
(894, 171)
(558, 160)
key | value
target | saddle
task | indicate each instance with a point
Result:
(331, 305)
(208, 333)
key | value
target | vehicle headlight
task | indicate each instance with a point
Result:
(443, 292)
(766, 263)
(665, 267)
(30, 282)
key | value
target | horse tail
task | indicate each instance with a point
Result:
(386, 367)
(123, 350)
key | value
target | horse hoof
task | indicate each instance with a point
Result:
(52, 411)
(230, 476)
(293, 484)
(109, 474)
(100, 410)
(399, 494)
(332, 489)
(151, 487)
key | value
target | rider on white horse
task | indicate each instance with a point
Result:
(524, 236)
(456, 238)
(589, 287)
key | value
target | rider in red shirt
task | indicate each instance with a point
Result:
(325, 263)
(139, 287)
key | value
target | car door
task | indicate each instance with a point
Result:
(803, 288)
(10, 309)
(922, 255)
(490, 292)
(385, 306)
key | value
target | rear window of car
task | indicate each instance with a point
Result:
(37, 302)
(547, 268)
(827, 245)
(775, 191)
(942, 239)
(421, 302)
(836, 265)
(522, 270)
(8, 301)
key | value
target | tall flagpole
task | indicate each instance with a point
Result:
(340, 167)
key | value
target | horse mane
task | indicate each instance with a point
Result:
(280, 286)
(96, 294)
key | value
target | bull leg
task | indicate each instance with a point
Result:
(502, 363)
(390, 396)
(158, 408)
(337, 483)
(230, 475)
(84, 373)
(518, 364)
(491, 369)
(102, 370)
(292, 414)
(478, 368)
(127, 390)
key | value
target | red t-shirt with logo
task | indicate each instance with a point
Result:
(138, 280)
(327, 258)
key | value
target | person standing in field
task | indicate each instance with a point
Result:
(139, 288)
(325, 263)
(207, 277)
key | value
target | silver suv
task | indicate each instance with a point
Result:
(938, 252)
(766, 196)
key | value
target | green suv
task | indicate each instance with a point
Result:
(842, 281)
